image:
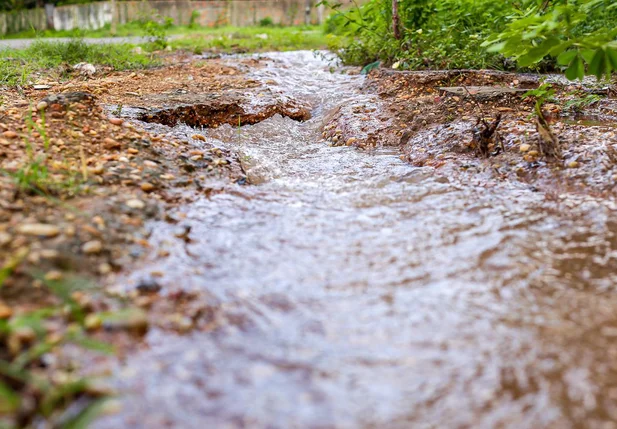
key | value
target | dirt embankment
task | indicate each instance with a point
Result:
(436, 118)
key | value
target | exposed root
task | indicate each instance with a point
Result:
(549, 143)
(485, 137)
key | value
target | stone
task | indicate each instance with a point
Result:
(135, 204)
(148, 285)
(10, 134)
(92, 247)
(147, 187)
(39, 229)
(53, 275)
(525, 147)
(5, 311)
(116, 121)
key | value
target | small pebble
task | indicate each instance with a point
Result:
(9, 134)
(116, 121)
(42, 105)
(135, 204)
(525, 147)
(53, 275)
(39, 229)
(573, 164)
(104, 268)
(147, 187)
(5, 238)
(148, 285)
(92, 247)
(93, 322)
(5, 311)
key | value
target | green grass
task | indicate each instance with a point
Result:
(17, 66)
(255, 39)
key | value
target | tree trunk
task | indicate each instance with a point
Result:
(396, 30)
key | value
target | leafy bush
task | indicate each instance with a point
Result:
(536, 34)
(266, 22)
(156, 28)
(576, 34)
(435, 34)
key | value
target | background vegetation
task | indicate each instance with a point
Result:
(507, 34)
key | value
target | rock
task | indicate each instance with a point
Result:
(10, 134)
(148, 285)
(198, 137)
(351, 141)
(42, 105)
(53, 275)
(110, 143)
(92, 247)
(5, 238)
(573, 164)
(525, 147)
(85, 69)
(41, 87)
(39, 229)
(135, 204)
(97, 169)
(92, 322)
(134, 320)
(116, 121)
(5, 311)
(104, 268)
(147, 187)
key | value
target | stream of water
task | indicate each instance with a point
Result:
(357, 291)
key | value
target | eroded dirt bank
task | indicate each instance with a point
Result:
(290, 280)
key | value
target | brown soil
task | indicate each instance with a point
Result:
(436, 128)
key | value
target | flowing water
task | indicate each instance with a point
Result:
(356, 291)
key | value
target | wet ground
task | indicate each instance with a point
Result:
(350, 289)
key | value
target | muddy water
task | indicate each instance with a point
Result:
(355, 291)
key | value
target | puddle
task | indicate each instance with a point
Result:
(356, 291)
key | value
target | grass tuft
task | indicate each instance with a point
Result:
(17, 66)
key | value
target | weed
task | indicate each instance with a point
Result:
(194, 18)
(542, 94)
(266, 22)
(27, 392)
(156, 28)
(578, 104)
(41, 56)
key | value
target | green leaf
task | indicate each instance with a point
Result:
(369, 67)
(558, 49)
(84, 419)
(566, 57)
(576, 69)
(9, 399)
(588, 55)
(599, 63)
(611, 55)
(536, 54)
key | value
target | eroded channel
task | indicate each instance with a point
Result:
(352, 290)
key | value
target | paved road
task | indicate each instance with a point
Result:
(24, 43)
